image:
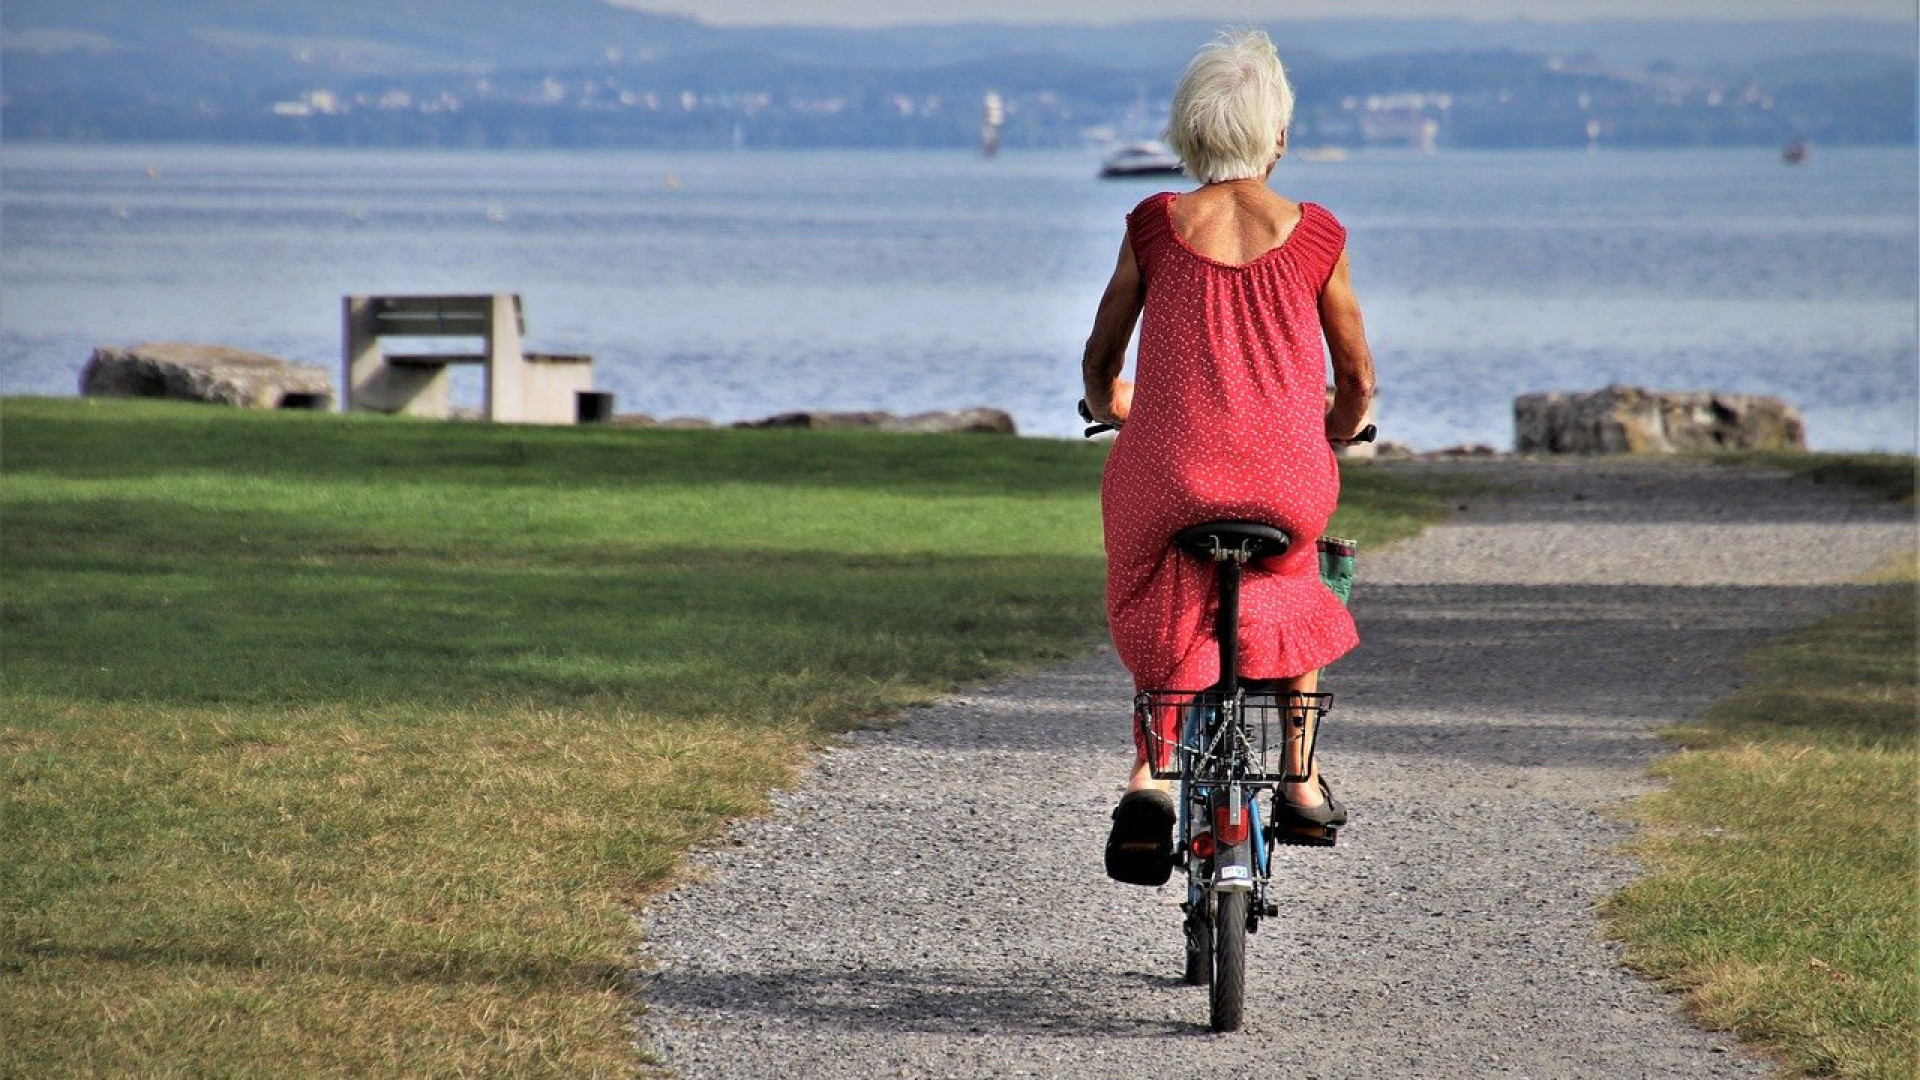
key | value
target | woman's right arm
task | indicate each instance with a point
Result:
(1109, 397)
(1352, 360)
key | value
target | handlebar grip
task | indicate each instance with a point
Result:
(1365, 434)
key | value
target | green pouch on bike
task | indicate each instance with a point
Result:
(1336, 565)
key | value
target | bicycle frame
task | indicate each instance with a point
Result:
(1228, 744)
(1222, 829)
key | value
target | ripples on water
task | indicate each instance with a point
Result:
(737, 285)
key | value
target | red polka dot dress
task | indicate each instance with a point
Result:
(1228, 421)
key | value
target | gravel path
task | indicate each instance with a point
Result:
(929, 901)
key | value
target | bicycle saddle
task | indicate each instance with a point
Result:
(1262, 541)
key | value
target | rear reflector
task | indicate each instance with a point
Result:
(1202, 846)
(1229, 827)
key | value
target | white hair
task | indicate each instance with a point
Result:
(1231, 108)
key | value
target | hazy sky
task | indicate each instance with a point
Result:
(883, 12)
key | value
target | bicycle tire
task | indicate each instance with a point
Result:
(1199, 935)
(1227, 994)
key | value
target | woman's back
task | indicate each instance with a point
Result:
(1234, 223)
(1231, 361)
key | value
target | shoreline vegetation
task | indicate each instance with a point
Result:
(1779, 888)
(346, 745)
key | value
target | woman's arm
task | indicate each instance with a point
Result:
(1352, 360)
(1109, 397)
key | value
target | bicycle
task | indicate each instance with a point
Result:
(1229, 743)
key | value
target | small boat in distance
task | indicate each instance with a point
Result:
(1141, 159)
(1795, 151)
(996, 116)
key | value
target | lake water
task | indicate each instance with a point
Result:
(731, 286)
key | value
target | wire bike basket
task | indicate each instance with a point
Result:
(1192, 732)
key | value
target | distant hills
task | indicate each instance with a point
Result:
(587, 73)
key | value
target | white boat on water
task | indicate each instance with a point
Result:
(1141, 159)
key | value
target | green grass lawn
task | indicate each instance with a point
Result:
(345, 746)
(1783, 884)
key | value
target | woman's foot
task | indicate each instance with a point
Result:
(1140, 847)
(1313, 802)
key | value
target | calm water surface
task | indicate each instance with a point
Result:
(737, 285)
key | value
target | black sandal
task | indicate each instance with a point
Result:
(1140, 847)
(1311, 826)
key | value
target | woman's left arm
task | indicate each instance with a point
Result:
(1109, 397)
(1352, 359)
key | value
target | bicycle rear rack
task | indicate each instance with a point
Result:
(1194, 729)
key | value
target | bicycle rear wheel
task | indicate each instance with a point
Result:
(1227, 991)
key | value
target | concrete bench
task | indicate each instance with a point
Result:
(520, 387)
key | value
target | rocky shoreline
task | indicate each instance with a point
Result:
(975, 420)
(1618, 419)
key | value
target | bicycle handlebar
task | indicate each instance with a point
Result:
(1096, 427)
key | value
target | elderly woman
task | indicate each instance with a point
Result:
(1234, 288)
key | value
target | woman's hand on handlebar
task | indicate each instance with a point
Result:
(1364, 435)
(1116, 406)
(1094, 427)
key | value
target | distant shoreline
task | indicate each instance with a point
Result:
(1092, 152)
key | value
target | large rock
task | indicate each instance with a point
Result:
(976, 420)
(211, 373)
(1631, 420)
